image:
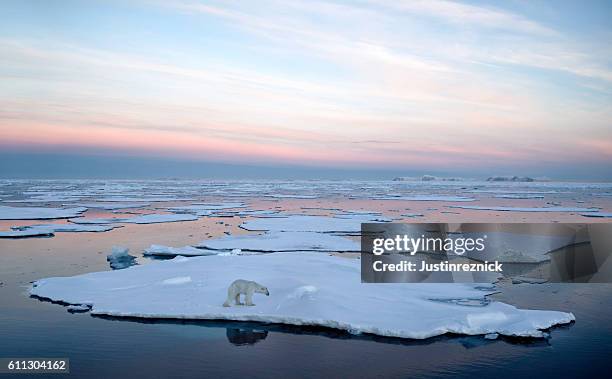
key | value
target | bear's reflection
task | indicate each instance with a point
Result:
(241, 337)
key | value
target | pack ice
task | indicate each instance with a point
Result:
(38, 213)
(305, 289)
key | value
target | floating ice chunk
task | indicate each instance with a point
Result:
(304, 223)
(518, 196)
(597, 214)
(283, 241)
(524, 209)
(491, 336)
(112, 206)
(159, 218)
(38, 213)
(177, 280)
(141, 219)
(130, 199)
(51, 229)
(340, 300)
(78, 308)
(291, 196)
(426, 198)
(119, 258)
(187, 251)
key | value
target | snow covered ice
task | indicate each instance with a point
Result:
(283, 241)
(303, 223)
(51, 229)
(38, 213)
(305, 289)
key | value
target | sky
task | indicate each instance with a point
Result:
(366, 88)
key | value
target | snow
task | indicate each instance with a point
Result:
(141, 219)
(51, 229)
(283, 241)
(305, 289)
(524, 209)
(38, 213)
(304, 223)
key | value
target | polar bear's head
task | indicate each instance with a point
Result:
(262, 289)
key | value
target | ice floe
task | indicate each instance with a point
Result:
(50, 229)
(141, 219)
(111, 206)
(524, 209)
(597, 214)
(306, 223)
(38, 213)
(168, 251)
(305, 289)
(120, 258)
(283, 241)
(426, 198)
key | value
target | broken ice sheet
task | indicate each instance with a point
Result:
(168, 251)
(304, 223)
(524, 209)
(111, 206)
(38, 213)
(141, 219)
(305, 289)
(51, 229)
(426, 198)
(283, 241)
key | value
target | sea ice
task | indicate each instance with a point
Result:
(426, 198)
(112, 206)
(141, 219)
(597, 214)
(524, 209)
(304, 223)
(283, 241)
(38, 213)
(305, 289)
(187, 251)
(120, 258)
(51, 229)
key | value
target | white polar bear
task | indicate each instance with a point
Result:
(245, 287)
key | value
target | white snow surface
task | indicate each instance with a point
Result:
(304, 223)
(283, 241)
(305, 289)
(38, 213)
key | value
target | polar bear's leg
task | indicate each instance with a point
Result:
(238, 299)
(230, 295)
(249, 297)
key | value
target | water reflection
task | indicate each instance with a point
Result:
(240, 337)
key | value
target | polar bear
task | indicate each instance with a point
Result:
(245, 287)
